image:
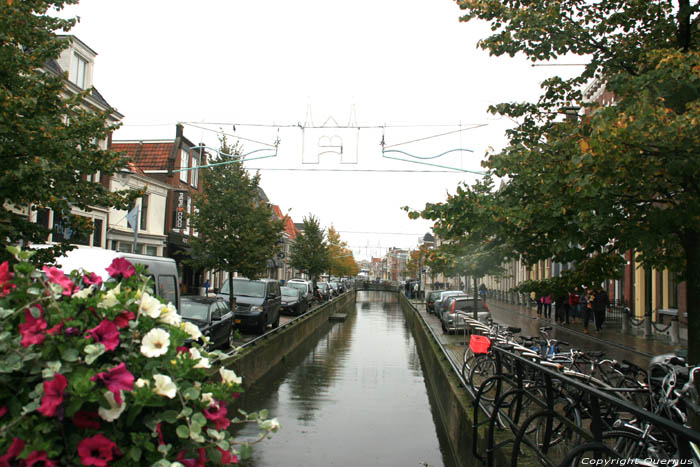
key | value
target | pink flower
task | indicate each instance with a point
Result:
(91, 279)
(160, 434)
(3, 411)
(123, 319)
(53, 395)
(55, 329)
(85, 419)
(5, 277)
(227, 458)
(116, 379)
(56, 276)
(216, 413)
(121, 267)
(183, 349)
(39, 456)
(97, 450)
(200, 462)
(12, 452)
(32, 329)
(106, 333)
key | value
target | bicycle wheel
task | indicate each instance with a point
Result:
(630, 445)
(483, 368)
(587, 454)
(563, 437)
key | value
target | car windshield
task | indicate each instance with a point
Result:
(246, 288)
(290, 292)
(194, 310)
(295, 285)
(322, 285)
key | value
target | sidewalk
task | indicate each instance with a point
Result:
(610, 336)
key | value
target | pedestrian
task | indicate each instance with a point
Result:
(547, 302)
(206, 287)
(415, 290)
(533, 297)
(573, 305)
(562, 308)
(407, 286)
(600, 304)
(540, 305)
(482, 292)
(585, 305)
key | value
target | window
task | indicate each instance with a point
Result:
(195, 170)
(167, 288)
(184, 164)
(79, 70)
(97, 233)
(151, 250)
(144, 211)
(124, 247)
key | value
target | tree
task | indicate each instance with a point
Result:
(237, 231)
(49, 141)
(309, 252)
(622, 177)
(341, 261)
(416, 261)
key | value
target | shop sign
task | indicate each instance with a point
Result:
(180, 209)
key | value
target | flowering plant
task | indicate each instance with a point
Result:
(96, 373)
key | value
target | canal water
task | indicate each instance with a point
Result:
(353, 395)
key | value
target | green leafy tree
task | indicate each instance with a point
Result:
(48, 138)
(621, 177)
(237, 231)
(309, 252)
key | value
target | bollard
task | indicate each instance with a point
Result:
(625, 320)
(647, 324)
(675, 331)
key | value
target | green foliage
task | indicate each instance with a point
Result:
(237, 231)
(49, 138)
(309, 252)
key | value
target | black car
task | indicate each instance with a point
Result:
(430, 300)
(212, 316)
(257, 302)
(293, 302)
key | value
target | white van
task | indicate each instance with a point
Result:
(163, 271)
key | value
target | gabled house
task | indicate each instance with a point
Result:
(174, 163)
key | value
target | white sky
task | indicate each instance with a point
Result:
(216, 63)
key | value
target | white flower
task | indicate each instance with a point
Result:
(164, 386)
(208, 398)
(229, 376)
(115, 410)
(110, 298)
(155, 343)
(139, 383)
(192, 330)
(168, 315)
(84, 293)
(270, 425)
(150, 305)
(203, 361)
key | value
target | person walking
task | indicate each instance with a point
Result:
(562, 308)
(585, 305)
(547, 302)
(207, 284)
(600, 304)
(573, 305)
(540, 305)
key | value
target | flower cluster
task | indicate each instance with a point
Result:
(96, 373)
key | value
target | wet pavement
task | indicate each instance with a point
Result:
(610, 340)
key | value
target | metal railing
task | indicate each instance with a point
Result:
(544, 415)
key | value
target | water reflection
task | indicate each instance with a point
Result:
(353, 396)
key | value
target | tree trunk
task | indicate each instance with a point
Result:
(476, 300)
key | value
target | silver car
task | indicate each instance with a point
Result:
(452, 319)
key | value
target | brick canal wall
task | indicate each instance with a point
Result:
(454, 403)
(257, 358)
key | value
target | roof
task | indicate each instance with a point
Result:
(146, 155)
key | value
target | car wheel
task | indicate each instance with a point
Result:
(262, 324)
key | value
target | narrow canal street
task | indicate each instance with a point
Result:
(355, 395)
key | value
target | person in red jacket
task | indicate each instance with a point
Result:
(573, 305)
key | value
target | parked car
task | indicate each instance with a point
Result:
(212, 316)
(292, 302)
(440, 301)
(325, 290)
(306, 288)
(452, 320)
(430, 300)
(257, 302)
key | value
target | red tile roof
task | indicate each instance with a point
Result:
(288, 222)
(146, 155)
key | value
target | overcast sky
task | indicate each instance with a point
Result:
(400, 70)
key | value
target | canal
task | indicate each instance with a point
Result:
(354, 394)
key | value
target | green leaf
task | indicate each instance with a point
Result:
(198, 419)
(169, 416)
(182, 431)
(245, 451)
(70, 354)
(191, 393)
(135, 453)
(93, 352)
